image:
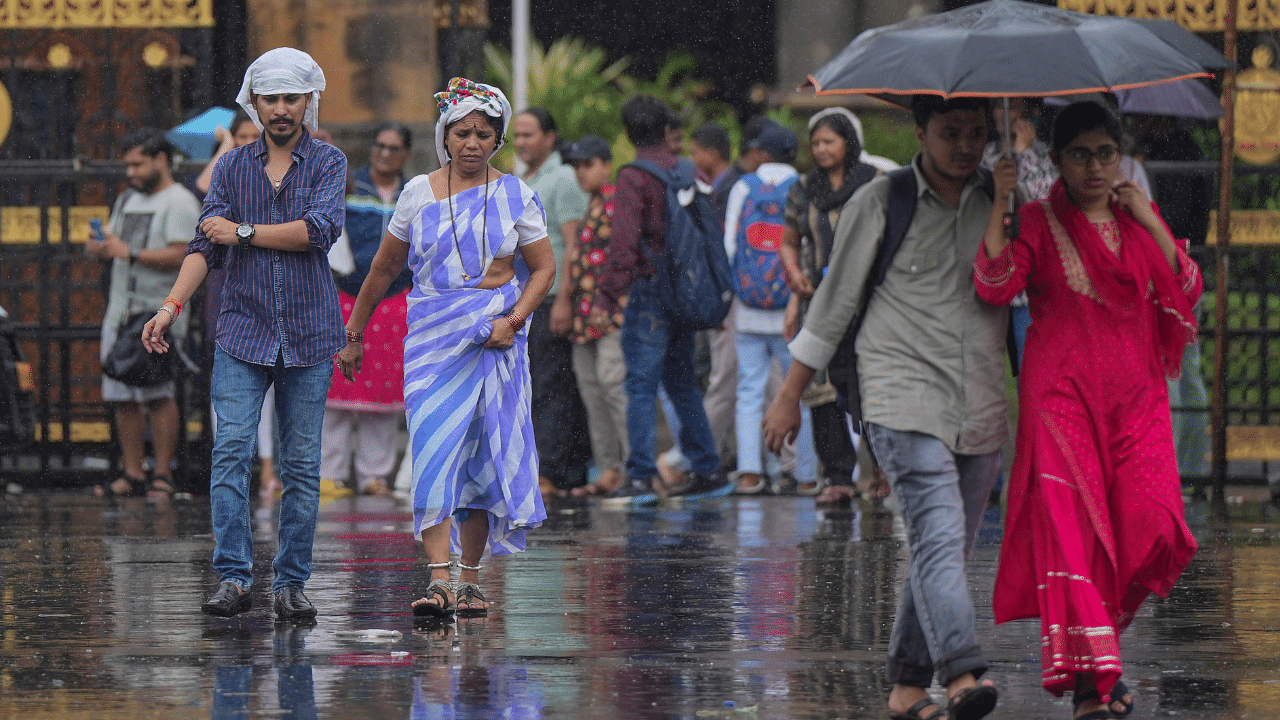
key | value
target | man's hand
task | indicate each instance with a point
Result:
(109, 247)
(220, 231)
(781, 422)
(153, 332)
(561, 315)
(350, 359)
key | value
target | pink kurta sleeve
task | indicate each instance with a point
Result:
(1000, 279)
(1189, 277)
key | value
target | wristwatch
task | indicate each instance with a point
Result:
(245, 234)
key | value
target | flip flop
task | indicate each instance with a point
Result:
(972, 702)
(470, 593)
(836, 495)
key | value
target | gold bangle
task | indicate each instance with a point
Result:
(355, 337)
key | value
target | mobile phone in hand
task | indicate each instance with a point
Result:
(95, 227)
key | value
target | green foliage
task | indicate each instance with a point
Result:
(572, 81)
(892, 136)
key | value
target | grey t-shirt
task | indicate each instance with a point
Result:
(145, 221)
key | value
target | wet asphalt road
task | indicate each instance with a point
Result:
(766, 603)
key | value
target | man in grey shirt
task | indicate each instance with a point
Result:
(931, 380)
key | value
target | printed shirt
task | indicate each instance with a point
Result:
(277, 303)
(930, 352)
(586, 263)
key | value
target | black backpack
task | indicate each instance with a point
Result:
(693, 271)
(17, 393)
(899, 211)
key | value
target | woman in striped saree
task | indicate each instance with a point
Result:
(461, 229)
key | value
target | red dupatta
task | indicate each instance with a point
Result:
(1124, 281)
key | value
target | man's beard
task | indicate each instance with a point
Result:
(282, 139)
(147, 185)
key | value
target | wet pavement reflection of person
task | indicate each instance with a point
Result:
(768, 603)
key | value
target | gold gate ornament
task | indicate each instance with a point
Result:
(1258, 110)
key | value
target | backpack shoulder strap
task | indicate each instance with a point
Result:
(899, 211)
(651, 168)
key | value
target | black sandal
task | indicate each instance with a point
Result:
(160, 486)
(1118, 692)
(973, 702)
(137, 487)
(440, 589)
(913, 712)
(470, 593)
(1079, 698)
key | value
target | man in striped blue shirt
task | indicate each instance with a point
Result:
(274, 208)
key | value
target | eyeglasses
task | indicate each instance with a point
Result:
(1106, 155)
(393, 149)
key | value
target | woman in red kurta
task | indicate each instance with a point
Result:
(1095, 517)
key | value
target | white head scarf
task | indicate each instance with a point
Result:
(853, 119)
(279, 72)
(464, 97)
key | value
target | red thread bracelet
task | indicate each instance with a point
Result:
(517, 323)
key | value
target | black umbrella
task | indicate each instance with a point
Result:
(1003, 48)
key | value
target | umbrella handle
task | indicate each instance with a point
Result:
(1011, 224)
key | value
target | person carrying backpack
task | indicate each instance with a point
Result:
(657, 335)
(930, 368)
(753, 241)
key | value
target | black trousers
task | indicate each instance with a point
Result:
(835, 447)
(559, 417)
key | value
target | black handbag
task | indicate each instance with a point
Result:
(17, 393)
(130, 363)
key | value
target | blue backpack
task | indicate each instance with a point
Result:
(693, 270)
(759, 279)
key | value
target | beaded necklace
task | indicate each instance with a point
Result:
(484, 233)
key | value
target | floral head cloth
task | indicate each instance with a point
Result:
(463, 97)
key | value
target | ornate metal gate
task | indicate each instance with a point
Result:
(75, 75)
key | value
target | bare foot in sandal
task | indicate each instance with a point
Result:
(836, 495)
(439, 600)
(605, 484)
(471, 601)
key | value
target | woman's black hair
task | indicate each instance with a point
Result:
(840, 125)
(546, 124)
(406, 135)
(240, 118)
(1079, 118)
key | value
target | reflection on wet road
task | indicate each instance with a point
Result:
(758, 607)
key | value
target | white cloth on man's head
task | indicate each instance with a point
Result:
(883, 163)
(464, 97)
(283, 71)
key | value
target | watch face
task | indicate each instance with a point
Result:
(244, 231)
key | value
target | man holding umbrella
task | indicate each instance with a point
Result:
(930, 360)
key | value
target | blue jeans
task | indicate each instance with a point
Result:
(942, 496)
(756, 353)
(238, 388)
(656, 351)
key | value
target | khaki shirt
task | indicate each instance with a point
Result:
(930, 351)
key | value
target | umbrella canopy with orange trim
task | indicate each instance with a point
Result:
(1003, 48)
